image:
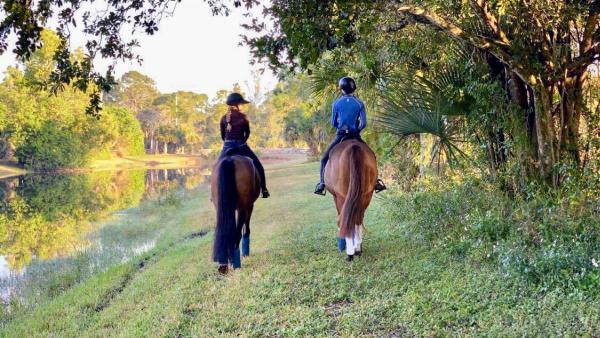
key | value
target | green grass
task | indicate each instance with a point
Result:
(158, 161)
(295, 283)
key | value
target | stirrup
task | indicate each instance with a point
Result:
(379, 186)
(265, 193)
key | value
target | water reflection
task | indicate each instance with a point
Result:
(49, 223)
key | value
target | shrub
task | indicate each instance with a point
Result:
(51, 147)
(550, 238)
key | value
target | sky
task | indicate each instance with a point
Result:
(193, 51)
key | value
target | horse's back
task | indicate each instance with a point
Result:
(246, 178)
(342, 157)
(344, 147)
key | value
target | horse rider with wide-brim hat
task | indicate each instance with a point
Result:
(235, 130)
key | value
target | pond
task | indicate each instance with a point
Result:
(69, 225)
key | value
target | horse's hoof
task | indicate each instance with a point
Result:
(357, 253)
(223, 269)
(349, 258)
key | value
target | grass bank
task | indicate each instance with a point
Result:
(158, 161)
(295, 283)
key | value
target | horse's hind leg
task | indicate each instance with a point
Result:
(237, 262)
(246, 234)
(339, 202)
(359, 238)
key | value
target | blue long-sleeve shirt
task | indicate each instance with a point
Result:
(348, 113)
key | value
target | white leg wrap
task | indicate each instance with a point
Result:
(350, 245)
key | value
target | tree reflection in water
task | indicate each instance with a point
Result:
(48, 221)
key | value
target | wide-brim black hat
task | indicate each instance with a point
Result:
(235, 98)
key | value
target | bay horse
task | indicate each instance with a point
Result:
(350, 177)
(235, 186)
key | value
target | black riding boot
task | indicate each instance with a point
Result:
(379, 186)
(320, 189)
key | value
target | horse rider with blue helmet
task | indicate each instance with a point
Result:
(349, 117)
(235, 130)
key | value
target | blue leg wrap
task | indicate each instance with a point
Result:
(246, 246)
(236, 261)
(341, 244)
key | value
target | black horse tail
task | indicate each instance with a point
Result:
(225, 230)
(352, 213)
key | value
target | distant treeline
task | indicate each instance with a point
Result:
(44, 129)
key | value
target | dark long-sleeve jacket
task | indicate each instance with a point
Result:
(239, 129)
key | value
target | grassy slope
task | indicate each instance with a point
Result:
(163, 161)
(296, 283)
(159, 161)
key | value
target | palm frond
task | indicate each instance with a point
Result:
(418, 102)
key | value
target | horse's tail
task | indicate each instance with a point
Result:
(352, 212)
(225, 230)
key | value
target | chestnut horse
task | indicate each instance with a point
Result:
(235, 186)
(350, 176)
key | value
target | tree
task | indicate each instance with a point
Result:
(105, 30)
(550, 58)
(50, 131)
(134, 91)
(150, 120)
(292, 116)
(539, 50)
(184, 118)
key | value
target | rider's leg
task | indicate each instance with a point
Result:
(246, 151)
(324, 160)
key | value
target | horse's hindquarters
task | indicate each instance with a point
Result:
(234, 187)
(350, 176)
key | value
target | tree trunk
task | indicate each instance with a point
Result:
(572, 107)
(422, 146)
(544, 125)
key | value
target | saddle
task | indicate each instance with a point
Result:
(232, 151)
(352, 136)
